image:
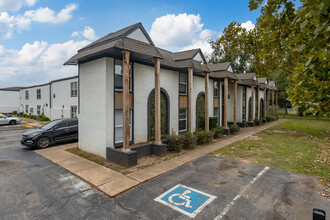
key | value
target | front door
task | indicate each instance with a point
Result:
(200, 112)
(61, 131)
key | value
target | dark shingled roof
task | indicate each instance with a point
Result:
(272, 85)
(219, 66)
(247, 79)
(11, 88)
(185, 55)
(223, 74)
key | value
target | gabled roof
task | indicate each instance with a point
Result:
(262, 80)
(117, 35)
(112, 45)
(13, 89)
(272, 85)
(218, 66)
(248, 79)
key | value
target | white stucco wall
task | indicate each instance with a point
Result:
(96, 106)
(239, 103)
(143, 85)
(9, 101)
(231, 102)
(62, 91)
(33, 102)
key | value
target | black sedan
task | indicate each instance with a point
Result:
(61, 130)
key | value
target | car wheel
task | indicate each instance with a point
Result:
(12, 122)
(43, 142)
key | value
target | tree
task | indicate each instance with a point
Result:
(232, 47)
(297, 42)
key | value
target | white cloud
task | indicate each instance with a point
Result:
(10, 24)
(46, 15)
(88, 33)
(182, 32)
(15, 5)
(37, 63)
(248, 25)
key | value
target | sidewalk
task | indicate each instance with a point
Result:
(113, 183)
(31, 122)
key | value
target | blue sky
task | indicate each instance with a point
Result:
(37, 36)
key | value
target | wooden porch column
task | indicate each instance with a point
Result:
(235, 102)
(207, 77)
(273, 101)
(276, 102)
(265, 103)
(268, 97)
(190, 98)
(252, 102)
(157, 102)
(225, 119)
(126, 99)
(257, 103)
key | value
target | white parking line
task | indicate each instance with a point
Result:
(8, 147)
(226, 209)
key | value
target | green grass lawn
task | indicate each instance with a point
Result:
(297, 146)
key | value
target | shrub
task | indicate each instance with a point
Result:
(264, 120)
(213, 122)
(233, 129)
(204, 137)
(269, 118)
(257, 121)
(188, 141)
(174, 143)
(24, 115)
(217, 132)
(33, 117)
(44, 118)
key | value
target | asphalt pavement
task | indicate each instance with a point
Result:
(31, 187)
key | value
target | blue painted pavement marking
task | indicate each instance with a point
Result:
(185, 199)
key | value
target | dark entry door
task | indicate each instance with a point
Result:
(200, 112)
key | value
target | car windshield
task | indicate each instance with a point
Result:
(50, 125)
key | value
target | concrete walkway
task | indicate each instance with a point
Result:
(113, 183)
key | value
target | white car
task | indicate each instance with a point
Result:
(4, 120)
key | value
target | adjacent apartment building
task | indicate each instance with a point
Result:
(56, 99)
(9, 99)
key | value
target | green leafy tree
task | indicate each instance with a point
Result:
(297, 42)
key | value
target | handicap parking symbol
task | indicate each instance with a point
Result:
(186, 200)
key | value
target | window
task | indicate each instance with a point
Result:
(119, 75)
(73, 122)
(216, 89)
(31, 110)
(119, 126)
(27, 95)
(216, 112)
(183, 119)
(38, 109)
(74, 89)
(73, 111)
(38, 93)
(62, 124)
(26, 109)
(183, 84)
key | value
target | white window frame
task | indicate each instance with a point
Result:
(183, 83)
(183, 119)
(121, 126)
(74, 113)
(27, 95)
(74, 89)
(38, 93)
(121, 74)
(38, 109)
(216, 94)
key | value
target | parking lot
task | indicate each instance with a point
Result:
(31, 187)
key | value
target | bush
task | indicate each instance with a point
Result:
(213, 122)
(44, 118)
(217, 132)
(188, 141)
(204, 137)
(257, 121)
(24, 115)
(264, 120)
(233, 129)
(33, 117)
(174, 143)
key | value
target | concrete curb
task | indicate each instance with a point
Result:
(113, 183)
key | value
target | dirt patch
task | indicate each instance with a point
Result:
(284, 132)
(254, 138)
